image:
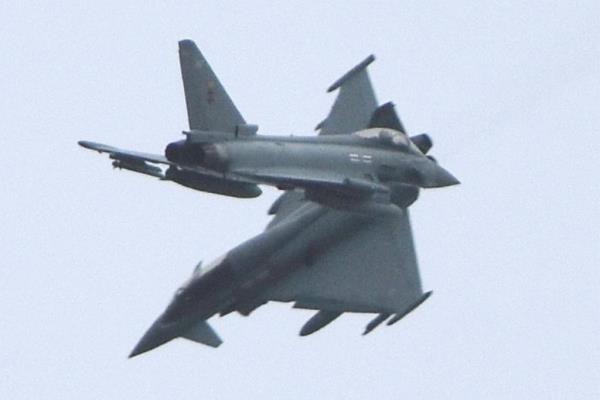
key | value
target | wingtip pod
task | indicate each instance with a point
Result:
(356, 69)
(404, 313)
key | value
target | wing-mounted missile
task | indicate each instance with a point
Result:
(137, 166)
(378, 320)
(318, 321)
(404, 313)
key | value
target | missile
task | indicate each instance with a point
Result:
(401, 315)
(138, 166)
(318, 321)
(376, 322)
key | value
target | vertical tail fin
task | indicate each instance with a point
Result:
(208, 104)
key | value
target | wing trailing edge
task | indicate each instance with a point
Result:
(373, 270)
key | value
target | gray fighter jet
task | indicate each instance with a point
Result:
(340, 240)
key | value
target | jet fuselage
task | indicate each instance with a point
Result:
(372, 155)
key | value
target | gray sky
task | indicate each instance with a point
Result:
(509, 93)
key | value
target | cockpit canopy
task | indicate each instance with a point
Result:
(389, 138)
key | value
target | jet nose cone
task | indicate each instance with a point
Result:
(159, 333)
(445, 178)
(432, 176)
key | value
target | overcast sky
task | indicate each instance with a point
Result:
(509, 93)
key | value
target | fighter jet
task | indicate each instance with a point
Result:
(340, 239)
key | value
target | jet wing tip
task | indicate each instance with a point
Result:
(86, 144)
(185, 44)
(397, 317)
(95, 146)
(356, 69)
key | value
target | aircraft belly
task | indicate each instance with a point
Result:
(297, 251)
